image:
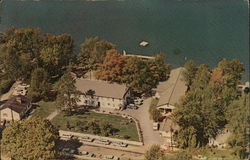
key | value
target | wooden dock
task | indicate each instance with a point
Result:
(139, 56)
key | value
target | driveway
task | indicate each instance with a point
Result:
(150, 136)
(7, 95)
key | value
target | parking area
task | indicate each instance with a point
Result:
(142, 115)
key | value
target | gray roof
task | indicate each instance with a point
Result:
(173, 89)
(101, 88)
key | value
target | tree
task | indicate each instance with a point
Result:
(25, 44)
(33, 138)
(139, 75)
(202, 77)
(56, 52)
(189, 73)
(200, 117)
(232, 71)
(238, 124)
(154, 153)
(39, 85)
(93, 51)
(159, 67)
(107, 128)
(67, 94)
(94, 127)
(156, 114)
(111, 69)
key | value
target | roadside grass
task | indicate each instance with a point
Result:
(43, 109)
(125, 126)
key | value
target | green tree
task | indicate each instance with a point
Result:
(23, 45)
(156, 114)
(67, 94)
(238, 124)
(232, 71)
(93, 51)
(106, 128)
(56, 52)
(154, 153)
(33, 138)
(189, 73)
(39, 85)
(139, 75)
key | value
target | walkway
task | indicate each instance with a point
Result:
(53, 115)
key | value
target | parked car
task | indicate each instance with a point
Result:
(108, 156)
(68, 150)
(156, 126)
(86, 139)
(103, 141)
(91, 155)
(83, 153)
(120, 144)
(116, 158)
(132, 106)
(138, 101)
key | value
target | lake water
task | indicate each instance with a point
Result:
(203, 30)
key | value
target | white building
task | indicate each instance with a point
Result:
(102, 94)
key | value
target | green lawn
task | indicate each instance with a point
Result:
(43, 109)
(124, 125)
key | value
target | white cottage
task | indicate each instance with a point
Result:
(102, 94)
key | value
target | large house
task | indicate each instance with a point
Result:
(15, 108)
(96, 93)
(170, 92)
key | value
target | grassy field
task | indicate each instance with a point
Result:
(43, 109)
(124, 125)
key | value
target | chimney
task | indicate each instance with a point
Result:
(19, 99)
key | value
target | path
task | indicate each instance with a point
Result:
(150, 136)
(53, 115)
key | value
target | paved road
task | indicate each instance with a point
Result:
(142, 115)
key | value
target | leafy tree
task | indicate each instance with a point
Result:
(189, 73)
(107, 128)
(93, 51)
(139, 76)
(202, 77)
(56, 52)
(33, 138)
(232, 71)
(22, 46)
(238, 123)
(156, 114)
(94, 127)
(200, 117)
(111, 69)
(67, 94)
(39, 85)
(159, 67)
(154, 153)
